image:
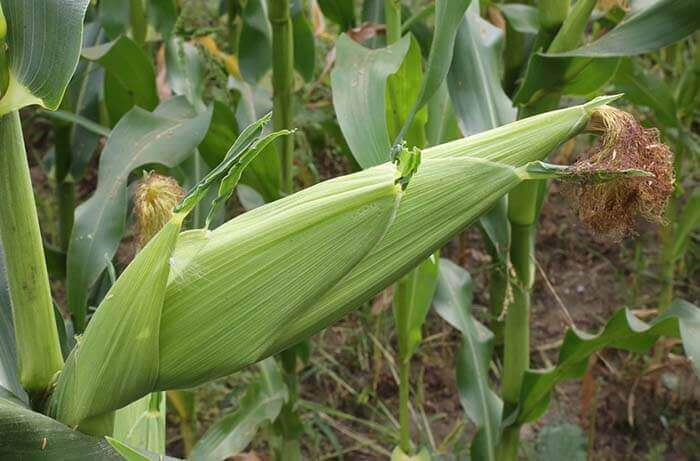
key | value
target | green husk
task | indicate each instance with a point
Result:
(279, 273)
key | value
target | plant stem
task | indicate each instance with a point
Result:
(282, 82)
(392, 12)
(65, 189)
(288, 419)
(30, 294)
(233, 10)
(404, 422)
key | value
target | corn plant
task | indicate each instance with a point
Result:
(196, 305)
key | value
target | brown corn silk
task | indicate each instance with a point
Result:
(611, 209)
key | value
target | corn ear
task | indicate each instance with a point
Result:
(455, 183)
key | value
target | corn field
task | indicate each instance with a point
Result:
(349, 230)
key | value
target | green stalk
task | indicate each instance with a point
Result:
(404, 422)
(282, 82)
(233, 10)
(30, 294)
(65, 188)
(392, 12)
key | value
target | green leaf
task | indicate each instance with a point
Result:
(688, 222)
(645, 89)
(402, 92)
(31, 436)
(84, 101)
(9, 378)
(43, 39)
(166, 136)
(260, 405)
(141, 424)
(304, 45)
(474, 78)
(255, 41)
(556, 442)
(186, 70)
(359, 82)
(130, 79)
(442, 125)
(453, 302)
(341, 12)
(622, 331)
(521, 17)
(663, 22)
(221, 134)
(162, 14)
(412, 298)
(448, 16)
(113, 15)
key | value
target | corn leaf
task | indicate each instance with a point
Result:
(83, 99)
(31, 436)
(125, 86)
(359, 82)
(645, 89)
(186, 70)
(303, 40)
(660, 24)
(255, 41)
(165, 136)
(448, 16)
(622, 331)
(586, 69)
(688, 222)
(474, 77)
(453, 302)
(341, 12)
(40, 65)
(521, 17)
(412, 298)
(260, 405)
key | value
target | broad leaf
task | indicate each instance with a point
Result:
(474, 77)
(645, 89)
(341, 12)
(129, 453)
(448, 16)
(453, 302)
(125, 85)
(166, 136)
(413, 295)
(303, 39)
(660, 24)
(688, 221)
(255, 42)
(43, 41)
(260, 405)
(359, 83)
(521, 17)
(186, 70)
(622, 331)
(84, 101)
(31, 436)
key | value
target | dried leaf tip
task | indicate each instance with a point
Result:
(154, 200)
(610, 209)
